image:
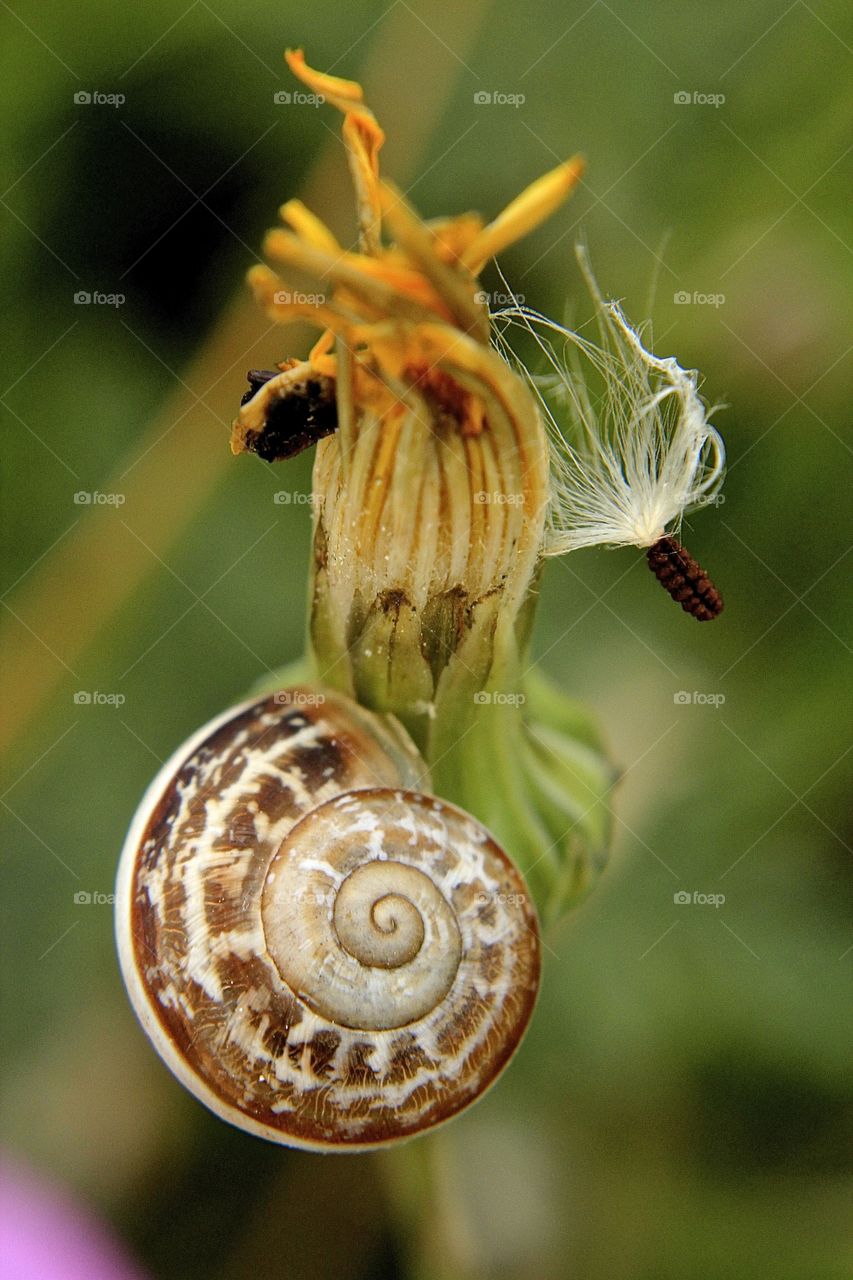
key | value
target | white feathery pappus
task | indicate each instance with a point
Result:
(632, 448)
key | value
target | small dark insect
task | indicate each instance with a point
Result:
(256, 379)
(299, 410)
(684, 579)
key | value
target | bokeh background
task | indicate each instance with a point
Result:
(679, 1108)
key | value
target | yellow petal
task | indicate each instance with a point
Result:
(343, 94)
(319, 357)
(536, 203)
(285, 305)
(364, 138)
(388, 289)
(308, 226)
(454, 287)
(454, 235)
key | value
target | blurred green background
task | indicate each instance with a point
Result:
(680, 1107)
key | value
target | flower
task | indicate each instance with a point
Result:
(47, 1232)
(430, 498)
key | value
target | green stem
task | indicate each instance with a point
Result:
(431, 1225)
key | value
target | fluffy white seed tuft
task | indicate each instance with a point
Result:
(631, 446)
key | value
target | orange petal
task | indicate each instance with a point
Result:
(454, 235)
(452, 285)
(343, 94)
(362, 135)
(364, 138)
(536, 203)
(308, 226)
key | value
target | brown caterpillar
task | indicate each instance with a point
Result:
(684, 579)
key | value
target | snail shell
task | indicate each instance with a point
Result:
(324, 955)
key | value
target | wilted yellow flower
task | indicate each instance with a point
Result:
(430, 498)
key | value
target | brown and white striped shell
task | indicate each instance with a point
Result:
(324, 955)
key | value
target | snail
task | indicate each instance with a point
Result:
(323, 953)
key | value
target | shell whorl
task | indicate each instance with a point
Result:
(323, 954)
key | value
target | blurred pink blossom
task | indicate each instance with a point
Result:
(46, 1235)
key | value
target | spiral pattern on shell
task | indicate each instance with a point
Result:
(324, 955)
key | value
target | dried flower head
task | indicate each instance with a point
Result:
(431, 495)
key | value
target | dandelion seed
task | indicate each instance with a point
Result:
(636, 451)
